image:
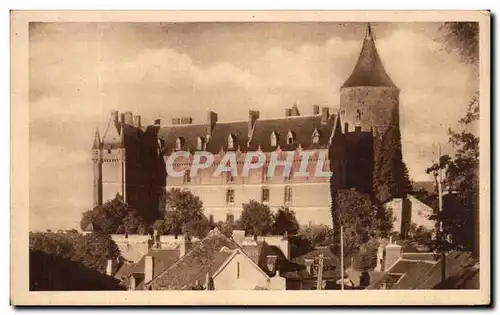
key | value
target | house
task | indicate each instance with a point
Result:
(215, 263)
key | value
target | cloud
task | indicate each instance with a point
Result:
(77, 78)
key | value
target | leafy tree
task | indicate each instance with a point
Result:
(463, 36)
(184, 214)
(225, 228)
(461, 181)
(318, 235)
(285, 221)
(256, 218)
(133, 224)
(106, 218)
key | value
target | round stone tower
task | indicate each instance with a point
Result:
(369, 99)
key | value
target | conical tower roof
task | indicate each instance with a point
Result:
(113, 135)
(369, 70)
(97, 139)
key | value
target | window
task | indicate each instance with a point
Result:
(315, 136)
(274, 139)
(230, 219)
(265, 194)
(229, 177)
(237, 270)
(230, 195)
(358, 115)
(230, 142)
(187, 177)
(178, 144)
(201, 143)
(290, 138)
(288, 194)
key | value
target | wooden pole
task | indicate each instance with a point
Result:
(319, 284)
(342, 257)
(441, 230)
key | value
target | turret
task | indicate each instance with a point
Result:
(97, 168)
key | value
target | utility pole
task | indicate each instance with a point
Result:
(441, 238)
(342, 257)
(319, 284)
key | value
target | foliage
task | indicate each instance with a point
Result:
(133, 224)
(106, 218)
(318, 235)
(92, 250)
(463, 36)
(225, 228)
(461, 180)
(184, 214)
(285, 221)
(256, 218)
(362, 221)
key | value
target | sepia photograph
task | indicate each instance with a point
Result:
(346, 153)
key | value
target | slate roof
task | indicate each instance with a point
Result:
(220, 134)
(426, 274)
(330, 260)
(302, 126)
(195, 264)
(162, 259)
(189, 133)
(369, 70)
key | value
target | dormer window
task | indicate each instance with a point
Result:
(230, 142)
(178, 143)
(290, 138)
(201, 144)
(274, 139)
(315, 136)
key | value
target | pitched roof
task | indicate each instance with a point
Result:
(162, 259)
(189, 133)
(301, 126)
(194, 264)
(331, 263)
(369, 70)
(220, 134)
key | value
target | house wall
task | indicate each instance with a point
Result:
(249, 276)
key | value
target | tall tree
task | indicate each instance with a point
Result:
(256, 218)
(106, 218)
(285, 221)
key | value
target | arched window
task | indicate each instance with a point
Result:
(290, 137)
(358, 115)
(315, 136)
(201, 143)
(274, 139)
(230, 141)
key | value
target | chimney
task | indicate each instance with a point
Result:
(148, 268)
(288, 112)
(185, 245)
(325, 114)
(129, 120)
(346, 127)
(392, 254)
(315, 109)
(211, 121)
(111, 267)
(186, 120)
(357, 128)
(239, 236)
(114, 115)
(253, 115)
(137, 120)
(132, 282)
(176, 121)
(157, 122)
(122, 118)
(295, 110)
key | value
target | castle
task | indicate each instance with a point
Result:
(130, 158)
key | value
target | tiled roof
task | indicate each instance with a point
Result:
(422, 274)
(162, 259)
(194, 265)
(331, 263)
(369, 70)
(124, 271)
(301, 126)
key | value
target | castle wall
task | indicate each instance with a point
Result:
(377, 106)
(112, 173)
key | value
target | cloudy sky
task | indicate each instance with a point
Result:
(80, 71)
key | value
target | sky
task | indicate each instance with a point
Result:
(79, 72)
